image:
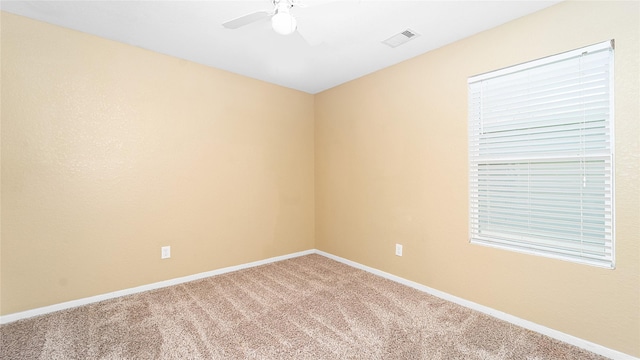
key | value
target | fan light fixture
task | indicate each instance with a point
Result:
(282, 22)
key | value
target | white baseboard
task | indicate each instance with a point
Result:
(581, 343)
(93, 299)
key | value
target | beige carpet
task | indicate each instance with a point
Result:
(309, 307)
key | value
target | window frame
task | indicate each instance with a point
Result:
(609, 196)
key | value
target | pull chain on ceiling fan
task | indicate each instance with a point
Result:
(282, 21)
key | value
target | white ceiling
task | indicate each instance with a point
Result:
(346, 35)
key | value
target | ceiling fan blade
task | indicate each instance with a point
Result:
(246, 19)
(311, 34)
(323, 24)
(311, 3)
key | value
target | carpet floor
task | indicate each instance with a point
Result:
(309, 307)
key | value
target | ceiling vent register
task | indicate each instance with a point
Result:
(401, 38)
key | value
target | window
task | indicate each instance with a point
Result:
(541, 157)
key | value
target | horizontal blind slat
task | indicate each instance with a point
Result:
(540, 155)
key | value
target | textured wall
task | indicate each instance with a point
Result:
(391, 167)
(110, 152)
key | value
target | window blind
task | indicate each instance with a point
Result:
(541, 157)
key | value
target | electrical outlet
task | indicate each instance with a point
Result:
(166, 252)
(398, 250)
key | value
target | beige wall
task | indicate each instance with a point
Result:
(391, 167)
(110, 152)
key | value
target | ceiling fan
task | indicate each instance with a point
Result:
(282, 21)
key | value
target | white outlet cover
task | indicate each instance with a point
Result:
(166, 252)
(398, 250)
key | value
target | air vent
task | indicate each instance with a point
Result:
(401, 38)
